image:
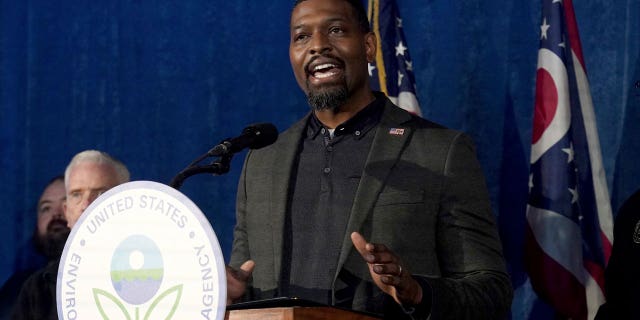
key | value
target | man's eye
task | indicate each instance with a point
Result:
(336, 30)
(300, 37)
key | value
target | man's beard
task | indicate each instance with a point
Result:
(327, 99)
(52, 243)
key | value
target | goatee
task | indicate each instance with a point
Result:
(327, 99)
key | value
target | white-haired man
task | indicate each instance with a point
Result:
(89, 174)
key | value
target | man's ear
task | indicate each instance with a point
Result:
(371, 46)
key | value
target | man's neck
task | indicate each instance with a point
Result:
(331, 118)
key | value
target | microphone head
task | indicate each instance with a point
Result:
(262, 135)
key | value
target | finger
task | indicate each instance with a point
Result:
(246, 269)
(359, 243)
(390, 269)
(372, 248)
(248, 266)
(391, 280)
(379, 254)
(244, 272)
(377, 247)
(384, 257)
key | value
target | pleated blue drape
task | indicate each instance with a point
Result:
(157, 83)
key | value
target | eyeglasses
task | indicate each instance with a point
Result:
(76, 197)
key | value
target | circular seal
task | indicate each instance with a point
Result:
(142, 250)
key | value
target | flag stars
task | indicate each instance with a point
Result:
(530, 182)
(409, 65)
(563, 43)
(400, 49)
(371, 68)
(570, 153)
(398, 22)
(543, 29)
(574, 195)
(400, 77)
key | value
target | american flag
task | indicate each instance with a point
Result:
(396, 131)
(392, 71)
(570, 228)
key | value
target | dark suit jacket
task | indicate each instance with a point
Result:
(37, 298)
(621, 278)
(422, 194)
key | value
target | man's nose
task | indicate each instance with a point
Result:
(86, 201)
(319, 43)
(59, 212)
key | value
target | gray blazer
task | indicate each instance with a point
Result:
(422, 194)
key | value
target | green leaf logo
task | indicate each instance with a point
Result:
(166, 297)
(102, 297)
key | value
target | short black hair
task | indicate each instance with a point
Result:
(360, 11)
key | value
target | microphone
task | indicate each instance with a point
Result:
(255, 136)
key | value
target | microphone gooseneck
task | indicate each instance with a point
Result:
(254, 136)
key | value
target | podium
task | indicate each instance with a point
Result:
(296, 313)
(291, 309)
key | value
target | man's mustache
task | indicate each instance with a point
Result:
(337, 60)
(56, 224)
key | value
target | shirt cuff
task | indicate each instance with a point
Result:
(423, 309)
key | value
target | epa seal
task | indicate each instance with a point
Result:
(142, 250)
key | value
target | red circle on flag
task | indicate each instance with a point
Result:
(546, 103)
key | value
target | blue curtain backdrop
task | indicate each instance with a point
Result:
(157, 83)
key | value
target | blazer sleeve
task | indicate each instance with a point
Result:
(240, 247)
(474, 283)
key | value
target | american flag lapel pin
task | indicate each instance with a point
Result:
(396, 131)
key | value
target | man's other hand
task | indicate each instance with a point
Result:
(387, 271)
(237, 280)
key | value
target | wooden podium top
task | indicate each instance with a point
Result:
(296, 313)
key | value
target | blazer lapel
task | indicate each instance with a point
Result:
(285, 155)
(389, 141)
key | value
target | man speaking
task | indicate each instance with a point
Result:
(361, 204)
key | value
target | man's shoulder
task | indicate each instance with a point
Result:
(36, 299)
(48, 273)
(629, 212)
(12, 286)
(394, 115)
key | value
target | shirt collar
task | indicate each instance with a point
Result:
(358, 125)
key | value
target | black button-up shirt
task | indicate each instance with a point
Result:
(327, 175)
